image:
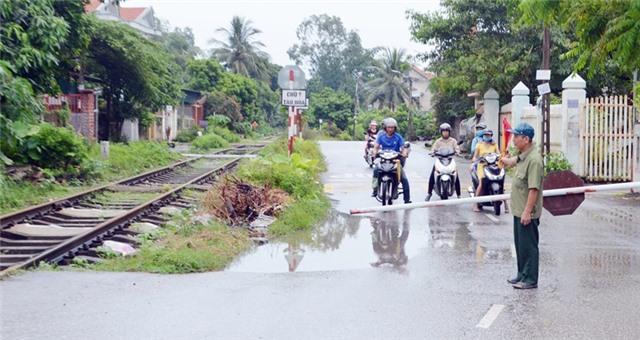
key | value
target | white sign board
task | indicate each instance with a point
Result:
(296, 98)
(543, 74)
(544, 88)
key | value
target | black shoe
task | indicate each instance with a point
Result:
(427, 198)
(407, 202)
(513, 281)
(374, 193)
(522, 285)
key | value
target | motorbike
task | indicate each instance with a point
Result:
(492, 182)
(389, 175)
(446, 173)
(370, 157)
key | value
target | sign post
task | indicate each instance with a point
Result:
(291, 79)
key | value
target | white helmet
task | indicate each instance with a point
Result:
(391, 122)
(445, 126)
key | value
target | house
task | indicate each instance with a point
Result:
(140, 18)
(421, 93)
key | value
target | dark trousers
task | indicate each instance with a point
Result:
(526, 241)
(432, 182)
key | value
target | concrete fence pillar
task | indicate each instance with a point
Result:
(491, 114)
(574, 97)
(519, 100)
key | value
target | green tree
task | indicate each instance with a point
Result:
(32, 35)
(241, 53)
(179, 43)
(388, 87)
(331, 106)
(605, 34)
(243, 90)
(330, 52)
(203, 74)
(138, 76)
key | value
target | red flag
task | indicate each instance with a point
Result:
(506, 136)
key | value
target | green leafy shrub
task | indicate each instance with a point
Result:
(209, 141)
(188, 135)
(556, 161)
(54, 148)
(297, 176)
(227, 135)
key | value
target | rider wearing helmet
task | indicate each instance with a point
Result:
(391, 140)
(478, 137)
(487, 145)
(445, 142)
(371, 133)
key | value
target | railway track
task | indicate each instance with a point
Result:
(71, 227)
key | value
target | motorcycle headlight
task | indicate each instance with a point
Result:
(387, 166)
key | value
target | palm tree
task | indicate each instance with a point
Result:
(388, 88)
(241, 54)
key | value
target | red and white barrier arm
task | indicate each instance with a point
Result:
(482, 199)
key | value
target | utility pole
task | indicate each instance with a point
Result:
(546, 107)
(356, 102)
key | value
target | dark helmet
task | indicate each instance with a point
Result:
(481, 126)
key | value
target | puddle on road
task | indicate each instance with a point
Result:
(343, 242)
(356, 242)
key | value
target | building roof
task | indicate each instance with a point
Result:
(425, 74)
(92, 6)
(131, 13)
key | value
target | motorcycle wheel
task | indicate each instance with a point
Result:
(496, 207)
(444, 192)
(384, 192)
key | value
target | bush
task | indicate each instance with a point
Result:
(56, 148)
(188, 135)
(556, 161)
(209, 141)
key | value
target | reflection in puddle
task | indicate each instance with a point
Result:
(480, 241)
(342, 242)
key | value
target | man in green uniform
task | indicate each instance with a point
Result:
(526, 204)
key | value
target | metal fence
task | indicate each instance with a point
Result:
(607, 140)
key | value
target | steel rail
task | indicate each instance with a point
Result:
(39, 210)
(119, 222)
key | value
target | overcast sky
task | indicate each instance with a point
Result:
(379, 23)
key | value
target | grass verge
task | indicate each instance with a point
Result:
(189, 245)
(125, 160)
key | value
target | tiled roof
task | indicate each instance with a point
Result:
(131, 13)
(425, 74)
(92, 6)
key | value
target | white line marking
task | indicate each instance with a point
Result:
(513, 250)
(490, 317)
(491, 217)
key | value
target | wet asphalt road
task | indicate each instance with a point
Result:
(344, 283)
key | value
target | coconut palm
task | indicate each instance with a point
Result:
(388, 88)
(240, 53)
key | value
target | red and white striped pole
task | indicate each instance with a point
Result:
(292, 116)
(481, 199)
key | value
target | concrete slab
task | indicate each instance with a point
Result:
(34, 230)
(143, 226)
(86, 212)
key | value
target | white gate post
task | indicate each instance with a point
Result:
(519, 100)
(491, 113)
(573, 98)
